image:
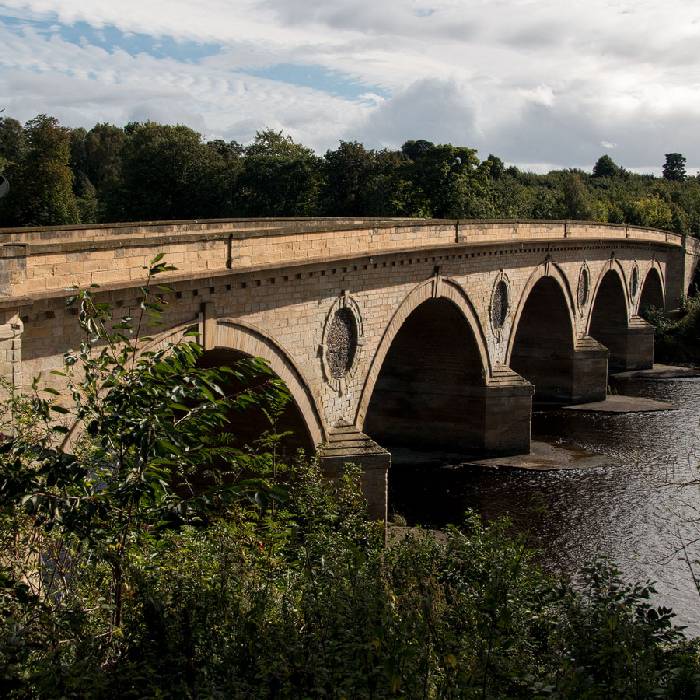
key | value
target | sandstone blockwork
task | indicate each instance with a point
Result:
(498, 311)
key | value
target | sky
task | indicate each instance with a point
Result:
(540, 83)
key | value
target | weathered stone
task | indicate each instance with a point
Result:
(408, 331)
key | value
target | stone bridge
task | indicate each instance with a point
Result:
(413, 333)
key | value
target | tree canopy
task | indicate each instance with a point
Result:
(151, 171)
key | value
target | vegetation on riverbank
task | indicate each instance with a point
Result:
(677, 339)
(154, 556)
(149, 171)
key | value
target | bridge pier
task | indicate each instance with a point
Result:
(589, 372)
(347, 445)
(630, 347)
(449, 417)
(563, 375)
(507, 414)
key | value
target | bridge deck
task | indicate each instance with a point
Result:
(37, 263)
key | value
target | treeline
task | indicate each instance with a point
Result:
(150, 171)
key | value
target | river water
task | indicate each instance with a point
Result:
(636, 509)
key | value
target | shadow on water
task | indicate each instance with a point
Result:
(635, 509)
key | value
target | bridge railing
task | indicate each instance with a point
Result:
(41, 262)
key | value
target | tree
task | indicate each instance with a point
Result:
(11, 141)
(349, 172)
(42, 180)
(280, 177)
(441, 177)
(674, 167)
(606, 167)
(169, 173)
(577, 202)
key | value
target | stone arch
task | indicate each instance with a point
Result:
(609, 317)
(614, 267)
(652, 294)
(244, 338)
(433, 288)
(172, 335)
(543, 337)
(554, 272)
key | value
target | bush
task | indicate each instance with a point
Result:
(117, 581)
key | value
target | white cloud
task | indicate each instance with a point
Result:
(533, 81)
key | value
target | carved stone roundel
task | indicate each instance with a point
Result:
(499, 305)
(634, 283)
(584, 284)
(341, 343)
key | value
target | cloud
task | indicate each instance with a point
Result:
(435, 110)
(535, 82)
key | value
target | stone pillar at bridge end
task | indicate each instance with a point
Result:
(347, 445)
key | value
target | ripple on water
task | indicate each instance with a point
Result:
(635, 509)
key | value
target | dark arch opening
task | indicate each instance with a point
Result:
(609, 319)
(543, 347)
(652, 296)
(694, 286)
(429, 393)
(248, 426)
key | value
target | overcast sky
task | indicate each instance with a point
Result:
(538, 82)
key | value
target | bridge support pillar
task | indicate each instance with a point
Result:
(589, 372)
(630, 348)
(347, 445)
(507, 414)
(11, 329)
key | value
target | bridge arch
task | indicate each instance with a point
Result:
(543, 336)
(428, 374)
(652, 295)
(547, 270)
(609, 317)
(612, 275)
(436, 287)
(245, 339)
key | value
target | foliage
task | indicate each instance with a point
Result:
(41, 190)
(154, 171)
(605, 166)
(674, 167)
(677, 339)
(126, 574)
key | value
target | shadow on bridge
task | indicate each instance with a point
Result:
(430, 390)
(652, 296)
(629, 340)
(246, 427)
(543, 351)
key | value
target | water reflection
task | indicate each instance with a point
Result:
(635, 509)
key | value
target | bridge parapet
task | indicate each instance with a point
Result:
(42, 262)
(410, 333)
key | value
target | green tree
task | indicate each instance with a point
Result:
(349, 174)
(41, 181)
(576, 197)
(606, 167)
(11, 141)
(167, 172)
(674, 167)
(651, 211)
(442, 178)
(279, 178)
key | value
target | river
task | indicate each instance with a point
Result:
(635, 509)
